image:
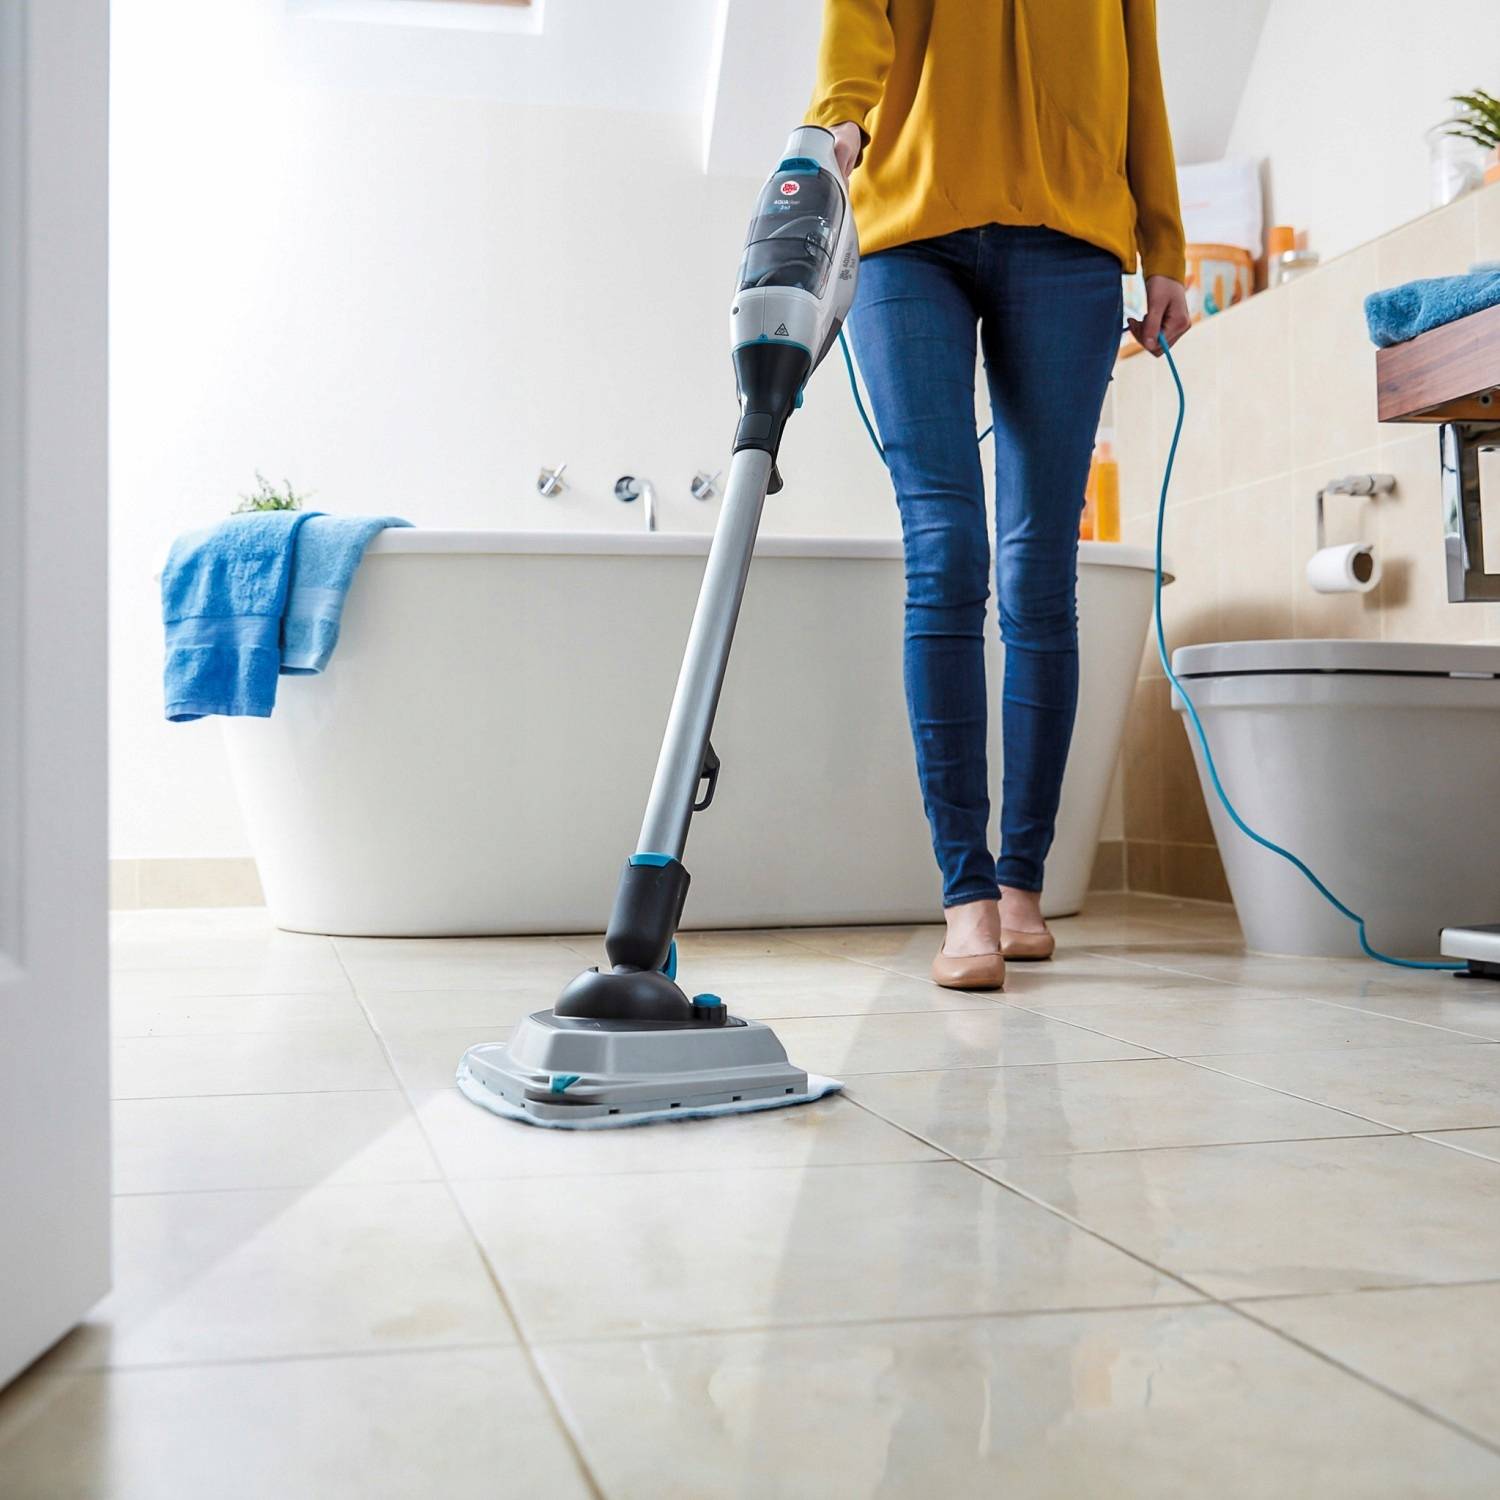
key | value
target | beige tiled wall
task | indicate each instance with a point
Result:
(1281, 398)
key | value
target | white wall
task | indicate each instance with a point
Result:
(406, 298)
(1339, 97)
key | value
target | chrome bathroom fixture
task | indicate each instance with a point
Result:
(1352, 484)
(1471, 491)
(705, 485)
(549, 482)
(630, 489)
(1353, 567)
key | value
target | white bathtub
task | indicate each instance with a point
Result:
(477, 756)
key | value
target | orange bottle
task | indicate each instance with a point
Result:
(1106, 484)
(1090, 503)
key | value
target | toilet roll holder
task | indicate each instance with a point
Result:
(1352, 484)
(1354, 567)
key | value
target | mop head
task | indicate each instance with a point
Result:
(565, 1073)
(471, 1088)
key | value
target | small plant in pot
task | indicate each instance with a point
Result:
(1478, 120)
(265, 496)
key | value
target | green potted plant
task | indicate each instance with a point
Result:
(265, 496)
(1478, 120)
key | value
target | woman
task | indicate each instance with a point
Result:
(1006, 159)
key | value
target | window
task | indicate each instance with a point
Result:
(522, 16)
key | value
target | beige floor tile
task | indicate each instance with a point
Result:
(906, 948)
(219, 1015)
(266, 1141)
(1470, 1008)
(228, 922)
(427, 1057)
(1484, 1142)
(262, 1275)
(270, 974)
(1003, 1035)
(1049, 988)
(677, 1252)
(193, 945)
(1294, 1216)
(1410, 1088)
(153, 1067)
(1136, 1405)
(478, 1010)
(381, 1427)
(456, 963)
(1347, 981)
(471, 1143)
(1432, 1344)
(1116, 1106)
(825, 987)
(1228, 1023)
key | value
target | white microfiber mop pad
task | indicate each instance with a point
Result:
(817, 1088)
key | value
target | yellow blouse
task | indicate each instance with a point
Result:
(1005, 112)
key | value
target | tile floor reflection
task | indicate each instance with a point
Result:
(1163, 1218)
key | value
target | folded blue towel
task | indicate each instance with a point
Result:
(1405, 311)
(328, 551)
(223, 591)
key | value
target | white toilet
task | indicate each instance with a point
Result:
(1377, 762)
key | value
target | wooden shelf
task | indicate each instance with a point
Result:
(1448, 374)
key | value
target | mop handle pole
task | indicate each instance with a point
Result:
(679, 767)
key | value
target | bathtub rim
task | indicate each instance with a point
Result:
(429, 541)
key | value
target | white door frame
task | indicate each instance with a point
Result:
(54, 1004)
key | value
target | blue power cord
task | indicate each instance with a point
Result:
(1166, 665)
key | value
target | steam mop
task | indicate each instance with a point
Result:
(626, 1045)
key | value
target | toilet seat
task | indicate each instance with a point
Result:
(1380, 658)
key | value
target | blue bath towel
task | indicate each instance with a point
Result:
(1405, 311)
(327, 552)
(223, 591)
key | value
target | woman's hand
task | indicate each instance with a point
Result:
(1166, 315)
(848, 146)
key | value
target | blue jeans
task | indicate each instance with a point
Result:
(1046, 309)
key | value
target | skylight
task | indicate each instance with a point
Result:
(523, 16)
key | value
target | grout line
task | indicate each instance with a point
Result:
(1223, 1072)
(1353, 1114)
(231, 1361)
(1365, 1291)
(1270, 1140)
(1429, 1134)
(1202, 1298)
(1411, 1402)
(893, 1320)
(571, 1438)
(1210, 1299)
(1367, 1010)
(394, 1088)
(1250, 1317)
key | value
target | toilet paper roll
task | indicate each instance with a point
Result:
(1350, 569)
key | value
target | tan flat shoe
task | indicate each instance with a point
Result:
(1028, 947)
(978, 971)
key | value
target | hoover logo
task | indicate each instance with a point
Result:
(791, 189)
